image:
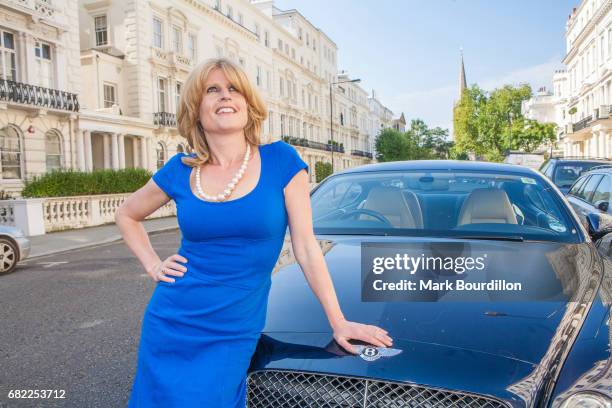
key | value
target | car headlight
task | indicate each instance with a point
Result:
(587, 400)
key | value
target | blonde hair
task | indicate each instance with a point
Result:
(188, 113)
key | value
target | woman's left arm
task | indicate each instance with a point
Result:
(310, 257)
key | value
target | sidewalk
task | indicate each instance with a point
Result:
(79, 238)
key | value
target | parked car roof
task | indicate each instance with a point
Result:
(460, 165)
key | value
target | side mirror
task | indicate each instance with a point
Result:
(598, 225)
(602, 205)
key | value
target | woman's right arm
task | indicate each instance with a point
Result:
(129, 216)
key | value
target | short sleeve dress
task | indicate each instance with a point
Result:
(200, 332)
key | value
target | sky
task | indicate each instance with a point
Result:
(409, 50)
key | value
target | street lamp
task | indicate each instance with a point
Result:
(331, 114)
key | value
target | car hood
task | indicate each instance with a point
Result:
(520, 330)
(432, 366)
(508, 350)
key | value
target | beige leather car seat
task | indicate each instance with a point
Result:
(390, 202)
(487, 205)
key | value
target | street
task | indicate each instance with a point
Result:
(72, 322)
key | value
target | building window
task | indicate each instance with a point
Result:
(161, 155)
(258, 77)
(191, 47)
(300, 33)
(230, 12)
(268, 79)
(266, 38)
(157, 33)
(10, 152)
(110, 95)
(314, 44)
(292, 53)
(161, 95)
(8, 58)
(257, 30)
(101, 29)
(241, 19)
(282, 86)
(177, 94)
(286, 48)
(177, 43)
(53, 150)
(307, 39)
(271, 122)
(180, 148)
(44, 75)
(218, 5)
(280, 44)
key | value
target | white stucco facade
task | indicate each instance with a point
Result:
(587, 124)
(126, 63)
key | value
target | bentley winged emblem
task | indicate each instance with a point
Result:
(370, 353)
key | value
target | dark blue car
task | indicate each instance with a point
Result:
(548, 348)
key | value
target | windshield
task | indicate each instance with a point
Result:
(567, 173)
(441, 203)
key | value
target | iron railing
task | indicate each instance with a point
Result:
(583, 123)
(300, 141)
(164, 119)
(361, 153)
(18, 92)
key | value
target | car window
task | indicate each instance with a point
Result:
(442, 203)
(341, 195)
(602, 192)
(545, 166)
(567, 173)
(589, 187)
(577, 185)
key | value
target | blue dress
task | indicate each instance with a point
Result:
(200, 332)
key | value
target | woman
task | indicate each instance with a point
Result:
(234, 200)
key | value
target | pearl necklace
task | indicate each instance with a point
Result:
(232, 184)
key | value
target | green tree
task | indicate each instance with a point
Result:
(391, 145)
(491, 124)
(416, 143)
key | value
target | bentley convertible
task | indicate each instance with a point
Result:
(547, 346)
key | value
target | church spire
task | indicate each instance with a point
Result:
(462, 81)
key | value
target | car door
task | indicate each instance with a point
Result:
(601, 196)
(581, 194)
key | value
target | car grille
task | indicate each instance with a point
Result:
(289, 389)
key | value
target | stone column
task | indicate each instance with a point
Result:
(88, 150)
(144, 155)
(81, 150)
(106, 149)
(121, 149)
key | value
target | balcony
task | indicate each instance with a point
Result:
(361, 153)
(171, 59)
(300, 141)
(164, 119)
(583, 123)
(17, 92)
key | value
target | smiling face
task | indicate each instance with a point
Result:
(223, 109)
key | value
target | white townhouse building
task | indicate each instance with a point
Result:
(550, 107)
(95, 84)
(588, 81)
(379, 118)
(139, 66)
(39, 81)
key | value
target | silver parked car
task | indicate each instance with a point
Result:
(14, 247)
